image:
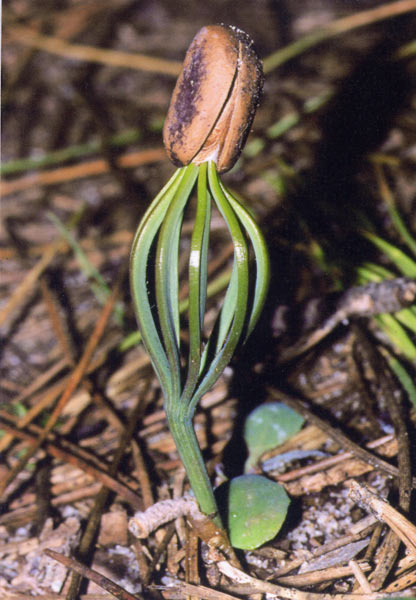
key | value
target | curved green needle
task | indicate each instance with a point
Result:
(167, 276)
(198, 267)
(139, 257)
(237, 309)
(159, 323)
(261, 255)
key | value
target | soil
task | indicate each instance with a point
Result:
(333, 142)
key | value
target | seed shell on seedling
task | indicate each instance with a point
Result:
(215, 99)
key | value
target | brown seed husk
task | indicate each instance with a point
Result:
(214, 100)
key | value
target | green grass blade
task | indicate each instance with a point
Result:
(395, 215)
(98, 284)
(407, 317)
(397, 334)
(403, 376)
(57, 157)
(401, 228)
(87, 267)
(371, 272)
(404, 263)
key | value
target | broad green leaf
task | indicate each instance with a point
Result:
(268, 426)
(257, 508)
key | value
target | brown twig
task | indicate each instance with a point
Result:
(41, 381)
(119, 238)
(13, 596)
(386, 384)
(320, 576)
(72, 458)
(144, 523)
(401, 583)
(74, 381)
(43, 378)
(254, 585)
(141, 560)
(191, 557)
(374, 542)
(88, 538)
(24, 289)
(113, 58)
(54, 439)
(320, 465)
(100, 580)
(198, 591)
(360, 576)
(325, 549)
(386, 557)
(337, 27)
(80, 171)
(43, 495)
(388, 296)
(335, 434)
(385, 513)
(368, 17)
(57, 321)
(26, 514)
(55, 45)
(141, 470)
(142, 475)
(46, 398)
(161, 548)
